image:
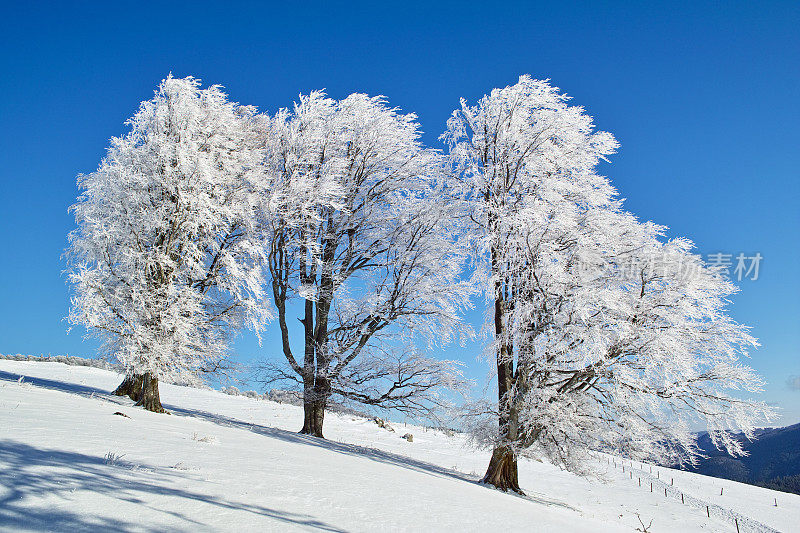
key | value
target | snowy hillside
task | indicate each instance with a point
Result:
(221, 462)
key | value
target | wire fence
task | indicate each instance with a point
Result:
(657, 485)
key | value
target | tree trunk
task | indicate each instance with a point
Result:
(309, 421)
(309, 427)
(314, 404)
(502, 471)
(313, 417)
(150, 398)
(131, 387)
(319, 417)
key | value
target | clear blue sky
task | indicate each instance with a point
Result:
(702, 96)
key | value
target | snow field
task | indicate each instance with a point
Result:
(222, 462)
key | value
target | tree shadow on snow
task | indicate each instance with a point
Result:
(284, 435)
(222, 420)
(31, 475)
(63, 386)
(354, 450)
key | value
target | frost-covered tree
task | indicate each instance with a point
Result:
(357, 232)
(517, 147)
(579, 365)
(165, 261)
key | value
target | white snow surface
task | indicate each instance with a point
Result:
(232, 463)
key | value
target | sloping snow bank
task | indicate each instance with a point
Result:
(223, 462)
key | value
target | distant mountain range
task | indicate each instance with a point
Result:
(773, 460)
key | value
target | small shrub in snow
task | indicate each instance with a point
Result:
(383, 424)
(644, 528)
(112, 458)
(210, 439)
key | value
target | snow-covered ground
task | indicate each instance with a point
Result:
(221, 462)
